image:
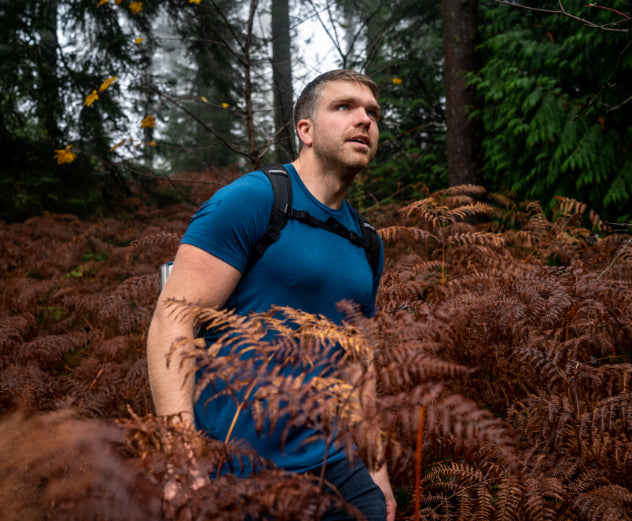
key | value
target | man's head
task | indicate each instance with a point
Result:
(307, 103)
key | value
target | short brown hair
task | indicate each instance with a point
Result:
(307, 102)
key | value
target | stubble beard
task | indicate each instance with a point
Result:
(333, 161)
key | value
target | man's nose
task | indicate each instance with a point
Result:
(363, 117)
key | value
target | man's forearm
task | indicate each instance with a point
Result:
(170, 376)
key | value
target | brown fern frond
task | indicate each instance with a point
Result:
(429, 211)
(21, 294)
(464, 189)
(26, 385)
(510, 494)
(56, 466)
(180, 460)
(402, 289)
(290, 322)
(406, 233)
(115, 348)
(411, 369)
(466, 422)
(574, 210)
(485, 239)
(552, 425)
(543, 368)
(14, 329)
(608, 503)
(51, 349)
(328, 405)
(538, 223)
(502, 200)
(471, 210)
(567, 207)
(139, 289)
(129, 307)
(611, 415)
(466, 491)
(523, 238)
(157, 247)
(456, 200)
(543, 497)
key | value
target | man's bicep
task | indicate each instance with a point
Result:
(201, 278)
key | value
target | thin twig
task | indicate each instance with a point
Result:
(562, 11)
(619, 253)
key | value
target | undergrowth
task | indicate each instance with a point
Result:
(501, 349)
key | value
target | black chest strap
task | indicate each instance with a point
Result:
(282, 211)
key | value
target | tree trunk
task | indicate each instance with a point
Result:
(253, 150)
(282, 82)
(459, 19)
(48, 101)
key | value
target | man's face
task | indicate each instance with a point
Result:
(345, 130)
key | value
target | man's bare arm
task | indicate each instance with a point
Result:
(197, 277)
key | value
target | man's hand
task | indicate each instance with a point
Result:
(179, 437)
(380, 477)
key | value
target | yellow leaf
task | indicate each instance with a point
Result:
(92, 98)
(152, 143)
(107, 83)
(225, 105)
(101, 2)
(65, 155)
(138, 40)
(194, 1)
(136, 7)
(203, 99)
(117, 2)
(148, 121)
(120, 143)
(397, 81)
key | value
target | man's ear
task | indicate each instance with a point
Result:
(304, 130)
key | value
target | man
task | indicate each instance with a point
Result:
(307, 268)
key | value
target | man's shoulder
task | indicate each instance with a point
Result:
(252, 189)
(254, 180)
(248, 195)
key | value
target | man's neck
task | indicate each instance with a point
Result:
(327, 186)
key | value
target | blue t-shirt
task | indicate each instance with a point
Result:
(308, 268)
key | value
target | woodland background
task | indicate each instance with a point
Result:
(501, 191)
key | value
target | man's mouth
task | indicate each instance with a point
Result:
(360, 139)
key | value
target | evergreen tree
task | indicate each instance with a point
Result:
(547, 89)
(44, 80)
(408, 67)
(201, 86)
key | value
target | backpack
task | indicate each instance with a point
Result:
(282, 211)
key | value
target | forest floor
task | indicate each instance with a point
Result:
(517, 320)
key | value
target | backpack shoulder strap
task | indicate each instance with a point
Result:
(369, 239)
(371, 244)
(282, 190)
(282, 211)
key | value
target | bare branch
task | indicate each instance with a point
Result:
(562, 11)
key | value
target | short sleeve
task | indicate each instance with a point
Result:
(231, 222)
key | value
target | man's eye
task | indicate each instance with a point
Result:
(343, 106)
(372, 114)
